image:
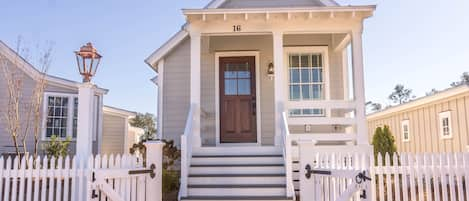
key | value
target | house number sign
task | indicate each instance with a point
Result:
(236, 28)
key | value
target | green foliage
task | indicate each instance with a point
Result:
(56, 147)
(401, 94)
(464, 79)
(170, 154)
(383, 142)
(147, 123)
(170, 181)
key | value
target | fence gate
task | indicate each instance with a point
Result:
(335, 173)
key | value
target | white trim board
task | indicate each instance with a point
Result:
(217, 95)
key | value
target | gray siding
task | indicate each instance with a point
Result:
(270, 3)
(176, 91)
(176, 86)
(424, 126)
(113, 134)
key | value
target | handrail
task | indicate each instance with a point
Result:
(186, 151)
(287, 155)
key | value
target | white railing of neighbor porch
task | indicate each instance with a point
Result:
(423, 177)
(186, 151)
(100, 178)
(287, 156)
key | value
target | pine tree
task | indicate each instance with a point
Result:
(383, 142)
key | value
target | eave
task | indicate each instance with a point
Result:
(369, 8)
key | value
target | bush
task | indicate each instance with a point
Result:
(56, 147)
(383, 142)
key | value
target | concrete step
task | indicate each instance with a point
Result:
(236, 198)
(236, 159)
(238, 169)
(237, 190)
(238, 179)
(237, 150)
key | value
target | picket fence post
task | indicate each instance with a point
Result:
(155, 157)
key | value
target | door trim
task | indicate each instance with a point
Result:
(217, 95)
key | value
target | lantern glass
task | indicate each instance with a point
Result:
(88, 60)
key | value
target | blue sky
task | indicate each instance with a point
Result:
(422, 44)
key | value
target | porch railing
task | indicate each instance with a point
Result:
(287, 156)
(186, 151)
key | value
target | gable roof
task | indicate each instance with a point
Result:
(118, 111)
(447, 93)
(35, 74)
(177, 38)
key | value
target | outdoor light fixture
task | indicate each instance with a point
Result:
(88, 61)
(270, 71)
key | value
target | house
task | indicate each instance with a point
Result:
(244, 80)
(434, 123)
(112, 132)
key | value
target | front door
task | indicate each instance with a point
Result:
(238, 100)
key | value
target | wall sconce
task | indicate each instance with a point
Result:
(270, 71)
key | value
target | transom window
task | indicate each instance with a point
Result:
(61, 115)
(306, 81)
(405, 131)
(445, 124)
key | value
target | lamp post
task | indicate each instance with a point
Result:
(87, 60)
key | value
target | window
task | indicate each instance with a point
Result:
(61, 112)
(405, 131)
(445, 125)
(306, 80)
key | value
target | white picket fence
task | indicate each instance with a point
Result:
(422, 177)
(100, 178)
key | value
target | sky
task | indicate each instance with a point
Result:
(422, 44)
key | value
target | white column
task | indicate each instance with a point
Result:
(154, 156)
(160, 99)
(279, 84)
(359, 87)
(85, 120)
(195, 86)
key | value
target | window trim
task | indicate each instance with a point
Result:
(443, 115)
(324, 50)
(69, 115)
(405, 122)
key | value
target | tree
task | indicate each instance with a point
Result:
(147, 123)
(373, 107)
(433, 91)
(464, 80)
(383, 142)
(21, 114)
(401, 94)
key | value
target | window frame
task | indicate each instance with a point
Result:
(324, 51)
(70, 116)
(404, 123)
(442, 116)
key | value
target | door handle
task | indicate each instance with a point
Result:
(253, 104)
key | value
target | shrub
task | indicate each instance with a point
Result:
(383, 142)
(56, 147)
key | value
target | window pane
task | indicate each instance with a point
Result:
(243, 71)
(294, 92)
(57, 115)
(305, 61)
(230, 87)
(305, 75)
(306, 91)
(317, 91)
(295, 112)
(230, 71)
(75, 117)
(294, 61)
(244, 87)
(317, 75)
(294, 76)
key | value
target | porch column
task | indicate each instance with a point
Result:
(279, 84)
(195, 86)
(359, 86)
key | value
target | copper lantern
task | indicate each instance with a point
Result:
(88, 61)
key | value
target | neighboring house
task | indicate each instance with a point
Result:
(59, 110)
(434, 123)
(226, 78)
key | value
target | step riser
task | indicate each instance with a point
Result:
(236, 160)
(235, 200)
(237, 191)
(237, 151)
(236, 180)
(238, 170)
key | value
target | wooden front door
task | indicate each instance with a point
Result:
(238, 100)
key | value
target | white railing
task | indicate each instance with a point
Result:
(99, 178)
(327, 106)
(423, 177)
(186, 151)
(287, 156)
